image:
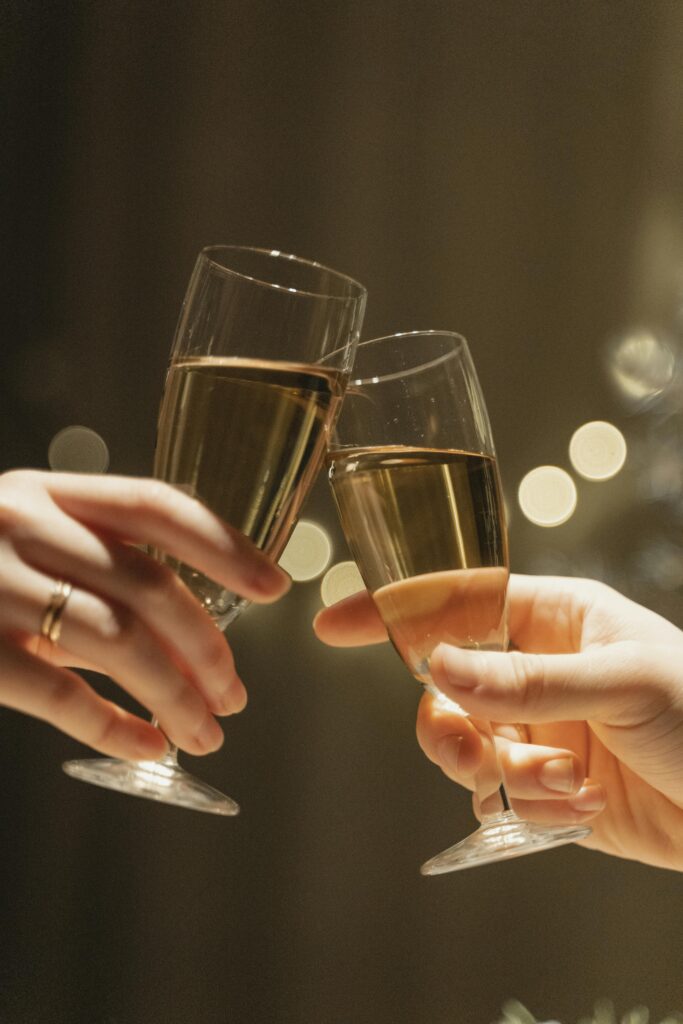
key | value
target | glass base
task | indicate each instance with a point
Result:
(502, 838)
(161, 780)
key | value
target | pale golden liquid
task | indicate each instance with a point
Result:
(427, 530)
(247, 438)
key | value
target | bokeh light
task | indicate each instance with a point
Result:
(597, 450)
(308, 552)
(340, 581)
(641, 366)
(547, 496)
(78, 450)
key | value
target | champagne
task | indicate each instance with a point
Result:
(427, 530)
(246, 437)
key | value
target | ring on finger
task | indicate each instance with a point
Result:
(51, 623)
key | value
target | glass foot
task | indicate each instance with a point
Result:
(502, 838)
(161, 780)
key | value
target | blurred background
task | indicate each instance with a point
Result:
(510, 169)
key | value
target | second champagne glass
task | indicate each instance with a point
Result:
(414, 475)
(259, 365)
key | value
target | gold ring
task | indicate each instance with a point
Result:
(51, 625)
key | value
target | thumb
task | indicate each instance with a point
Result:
(623, 684)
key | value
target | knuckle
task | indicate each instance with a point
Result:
(528, 678)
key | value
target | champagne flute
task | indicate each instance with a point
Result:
(414, 475)
(259, 365)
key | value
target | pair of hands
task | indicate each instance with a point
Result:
(597, 680)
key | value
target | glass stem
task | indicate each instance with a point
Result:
(489, 784)
(170, 758)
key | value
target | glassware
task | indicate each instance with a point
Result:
(259, 365)
(414, 475)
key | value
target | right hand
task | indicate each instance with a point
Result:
(597, 682)
(128, 616)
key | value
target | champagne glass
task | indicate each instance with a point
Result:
(415, 479)
(259, 365)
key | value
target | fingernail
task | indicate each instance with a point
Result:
(210, 736)
(454, 757)
(558, 775)
(448, 750)
(239, 696)
(230, 701)
(589, 798)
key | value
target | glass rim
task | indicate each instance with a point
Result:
(277, 254)
(461, 342)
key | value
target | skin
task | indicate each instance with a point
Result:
(128, 616)
(597, 681)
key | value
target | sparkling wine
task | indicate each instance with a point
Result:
(427, 530)
(246, 437)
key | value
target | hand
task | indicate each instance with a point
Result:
(598, 682)
(128, 615)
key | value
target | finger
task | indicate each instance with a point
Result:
(577, 809)
(116, 642)
(353, 622)
(63, 699)
(152, 512)
(544, 607)
(64, 548)
(534, 772)
(125, 649)
(449, 739)
(531, 771)
(611, 684)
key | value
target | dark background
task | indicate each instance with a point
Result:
(511, 170)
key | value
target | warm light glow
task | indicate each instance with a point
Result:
(308, 552)
(78, 450)
(597, 450)
(547, 496)
(340, 581)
